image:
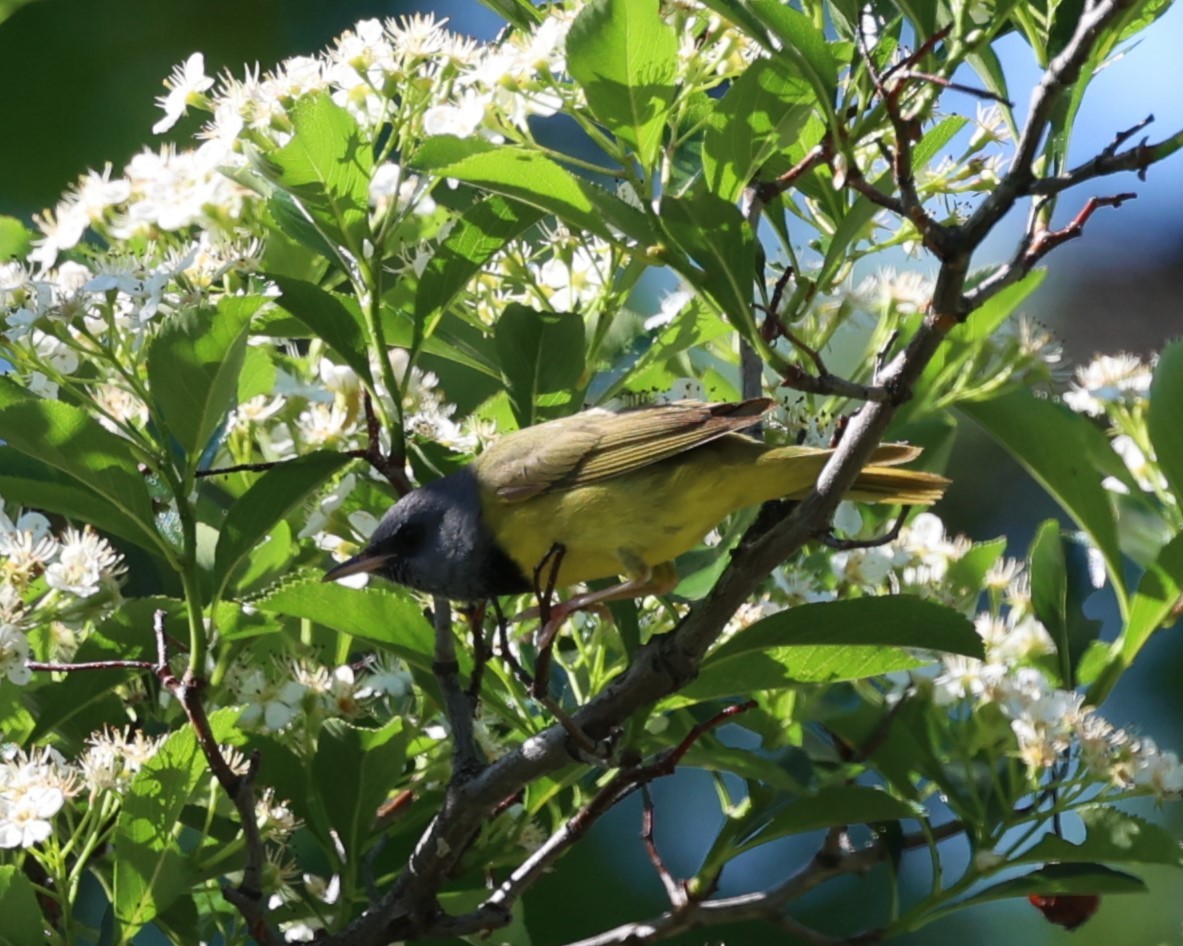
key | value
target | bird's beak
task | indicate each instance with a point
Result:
(365, 561)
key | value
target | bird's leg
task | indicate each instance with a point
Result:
(657, 580)
(549, 567)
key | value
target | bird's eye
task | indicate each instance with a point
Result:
(408, 538)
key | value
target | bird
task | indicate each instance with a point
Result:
(601, 494)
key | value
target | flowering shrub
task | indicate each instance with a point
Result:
(228, 359)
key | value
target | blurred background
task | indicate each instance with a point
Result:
(78, 79)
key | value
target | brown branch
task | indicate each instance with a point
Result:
(1112, 161)
(247, 897)
(906, 131)
(800, 380)
(948, 84)
(676, 890)
(1062, 73)
(1034, 246)
(831, 860)
(40, 665)
(762, 192)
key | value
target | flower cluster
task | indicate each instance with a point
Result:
(33, 788)
(295, 693)
(55, 583)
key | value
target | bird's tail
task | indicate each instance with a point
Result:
(879, 482)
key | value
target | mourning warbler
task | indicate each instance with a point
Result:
(622, 494)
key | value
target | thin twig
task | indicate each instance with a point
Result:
(830, 540)
(911, 75)
(458, 705)
(674, 889)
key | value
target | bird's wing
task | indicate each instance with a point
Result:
(598, 445)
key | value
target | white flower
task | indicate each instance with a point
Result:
(671, 304)
(387, 677)
(84, 561)
(392, 187)
(14, 655)
(323, 424)
(461, 116)
(340, 379)
(33, 788)
(1161, 772)
(186, 85)
(274, 703)
(1015, 639)
(1144, 469)
(113, 757)
(24, 820)
(1108, 379)
(867, 568)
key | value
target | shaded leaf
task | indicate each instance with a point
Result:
(70, 440)
(1111, 836)
(760, 114)
(374, 759)
(1061, 879)
(270, 498)
(23, 922)
(542, 361)
(480, 232)
(151, 871)
(534, 179)
(327, 317)
(1067, 455)
(1166, 408)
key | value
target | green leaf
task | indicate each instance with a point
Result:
(760, 114)
(30, 482)
(15, 239)
(1067, 455)
(884, 621)
(193, 368)
(542, 360)
(270, 498)
(23, 922)
(535, 179)
(1049, 590)
(830, 807)
(151, 871)
(521, 13)
(804, 44)
(479, 233)
(1166, 408)
(695, 326)
(1111, 836)
(70, 440)
(1061, 879)
(712, 232)
(374, 759)
(624, 55)
(1153, 606)
(837, 640)
(391, 618)
(327, 167)
(779, 668)
(257, 375)
(328, 318)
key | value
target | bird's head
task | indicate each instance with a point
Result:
(434, 540)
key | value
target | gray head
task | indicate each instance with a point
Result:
(434, 540)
